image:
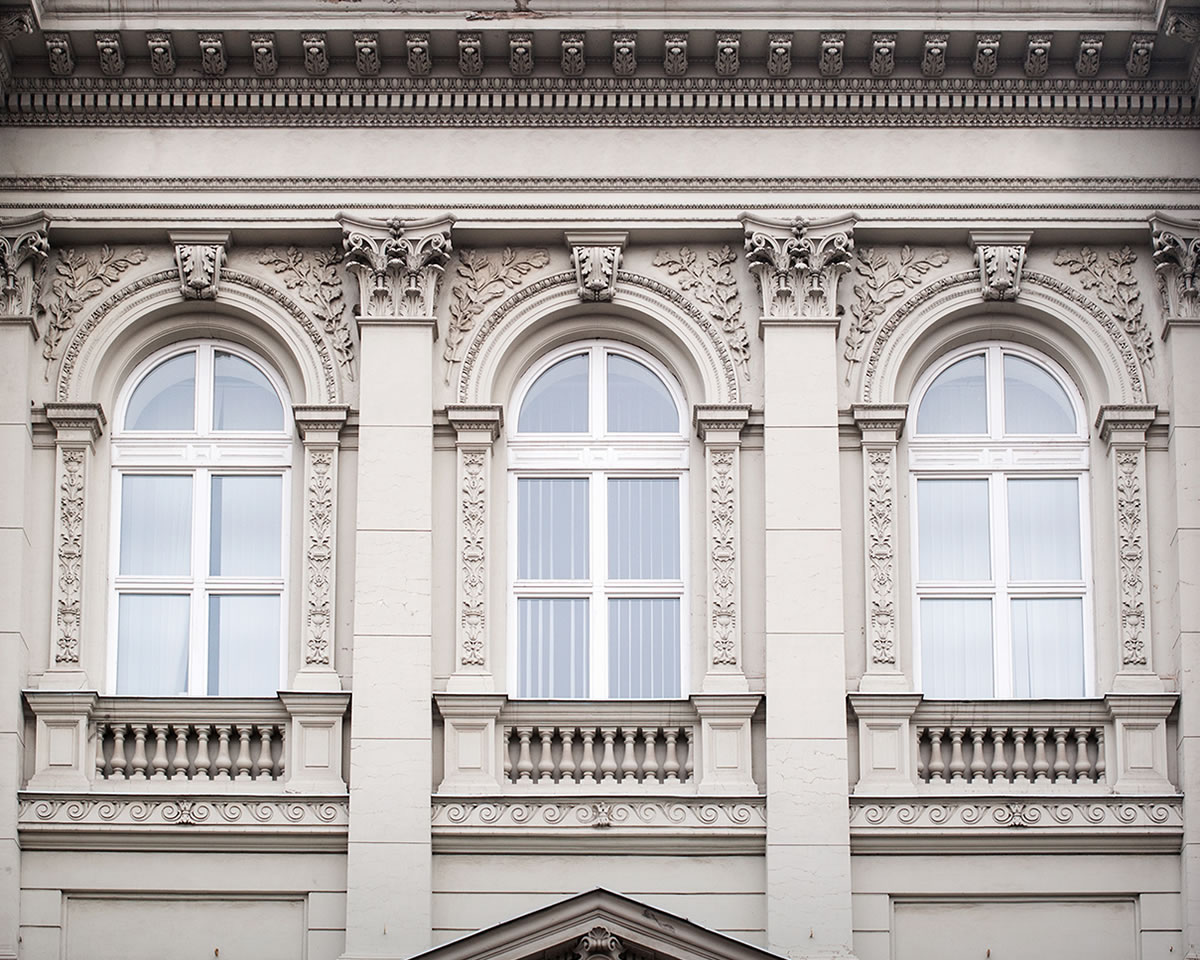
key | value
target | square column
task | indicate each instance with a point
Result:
(389, 861)
(797, 267)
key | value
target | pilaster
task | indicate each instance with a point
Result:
(477, 428)
(1123, 429)
(320, 427)
(881, 426)
(77, 426)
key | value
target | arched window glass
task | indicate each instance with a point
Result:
(598, 572)
(199, 577)
(999, 469)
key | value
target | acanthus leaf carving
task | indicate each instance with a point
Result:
(1130, 553)
(596, 270)
(474, 556)
(398, 264)
(318, 557)
(599, 943)
(881, 554)
(70, 554)
(78, 278)
(1111, 277)
(1000, 268)
(199, 269)
(713, 283)
(779, 59)
(485, 278)
(1177, 263)
(19, 292)
(317, 280)
(884, 280)
(723, 544)
(797, 265)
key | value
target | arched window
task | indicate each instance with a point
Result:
(598, 492)
(998, 455)
(201, 455)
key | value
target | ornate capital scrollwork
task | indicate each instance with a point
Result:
(398, 264)
(1000, 257)
(599, 943)
(1177, 262)
(24, 248)
(797, 265)
(596, 258)
(199, 258)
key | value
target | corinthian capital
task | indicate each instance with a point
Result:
(23, 251)
(398, 264)
(1177, 260)
(797, 264)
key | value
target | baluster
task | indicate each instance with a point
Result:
(957, 765)
(243, 758)
(100, 751)
(524, 761)
(281, 763)
(999, 761)
(588, 761)
(650, 762)
(1020, 759)
(508, 764)
(1061, 767)
(546, 759)
(118, 757)
(671, 761)
(937, 763)
(224, 761)
(139, 750)
(159, 763)
(1083, 765)
(1100, 764)
(179, 765)
(1040, 764)
(922, 766)
(689, 764)
(566, 765)
(203, 764)
(608, 760)
(978, 767)
(265, 764)
(629, 758)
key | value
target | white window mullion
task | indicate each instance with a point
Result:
(1001, 615)
(198, 650)
(598, 624)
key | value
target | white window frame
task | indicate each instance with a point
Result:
(598, 456)
(997, 457)
(200, 453)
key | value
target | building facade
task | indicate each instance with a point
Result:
(599, 481)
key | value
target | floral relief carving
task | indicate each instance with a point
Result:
(713, 283)
(474, 547)
(317, 280)
(70, 554)
(78, 278)
(722, 526)
(1130, 553)
(484, 278)
(881, 555)
(1111, 277)
(319, 557)
(884, 280)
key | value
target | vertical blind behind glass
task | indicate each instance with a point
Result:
(643, 528)
(552, 528)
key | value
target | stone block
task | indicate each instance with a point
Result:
(801, 383)
(872, 912)
(803, 480)
(1161, 911)
(395, 478)
(804, 582)
(392, 679)
(808, 900)
(325, 944)
(397, 376)
(392, 594)
(41, 908)
(388, 897)
(390, 786)
(806, 682)
(807, 792)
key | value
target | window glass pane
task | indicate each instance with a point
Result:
(552, 529)
(956, 648)
(1043, 529)
(952, 530)
(558, 400)
(243, 646)
(643, 648)
(152, 644)
(166, 397)
(956, 402)
(156, 525)
(552, 648)
(246, 527)
(643, 529)
(1034, 402)
(638, 401)
(1048, 648)
(243, 398)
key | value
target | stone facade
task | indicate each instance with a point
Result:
(792, 219)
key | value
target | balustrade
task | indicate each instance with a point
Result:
(604, 754)
(179, 750)
(988, 752)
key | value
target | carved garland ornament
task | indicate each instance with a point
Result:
(319, 557)
(1113, 281)
(485, 278)
(723, 541)
(474, 556)
(317, 280)
(1130, 549)
(712, 283)
(881, 555)
(70, 554)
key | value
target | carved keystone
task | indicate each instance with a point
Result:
(597, 258)
(797, 264)
(23, 251)
(199, 256)
(1177, 261)
(398, 264)
(1000, 257)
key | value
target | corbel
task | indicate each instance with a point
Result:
(987, 54)
(199, 257)
(112, 54)
(213, 61)
(728, 58)
(597, 258)
(832, 53)
(1000, 259)
(675, 54)
(366, 54)
(266, 56)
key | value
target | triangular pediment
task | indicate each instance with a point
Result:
(597, 925)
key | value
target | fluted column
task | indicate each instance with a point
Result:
(320, 426)
(389, 883)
